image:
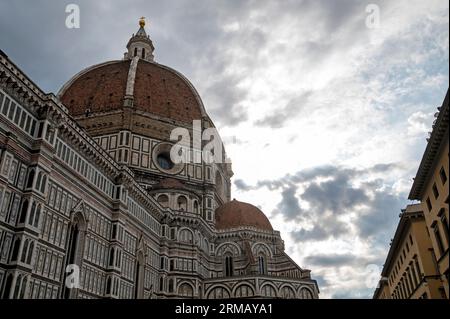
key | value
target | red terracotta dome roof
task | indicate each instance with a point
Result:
(155, 88)
(235, 214)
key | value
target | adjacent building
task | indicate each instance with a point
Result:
(418, 259)
(87, 184)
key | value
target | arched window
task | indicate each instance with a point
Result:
(30, 179)
(8, 285)
(32, 212)
(262, 267)
(111, 256)
(30, 253)
(43, 184)
(143, 53)
(16, 290)
(38, 180)
(24, 251)
(163, 200)
(218, 293)
(268, 291)
(15, 251)
(186, 291)
(305, 293)
(170, 285)
(108, 285)
(244, 291)
(228, 266)
(287, 293)
(23, 212)
(182, 203)
(75, 247)
(195, 207)
(186, 236)
(24, 286)
(135, 51)
(37, 215)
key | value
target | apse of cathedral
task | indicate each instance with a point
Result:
(92, 205)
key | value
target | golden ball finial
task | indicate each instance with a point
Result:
(142, 22)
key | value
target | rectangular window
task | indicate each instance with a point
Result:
(429, 206)
(113, 142)
(136, 143)
(6, 106)
(135, 158)
(17, 116)
(443, 175)
(21, 179)
(33, 128)
(435, 191)
(145, 145)
(12, 109)
(5, 205)
(444, 224)
(104, 143)
(28, 123)
(144, 160)
(12, 171)
(22, 120)
(6, 164)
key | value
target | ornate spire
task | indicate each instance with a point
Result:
(140, 45)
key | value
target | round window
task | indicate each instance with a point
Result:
(164, 161)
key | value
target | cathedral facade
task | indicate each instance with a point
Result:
(92, 205)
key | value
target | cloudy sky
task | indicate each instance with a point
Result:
(325, 118)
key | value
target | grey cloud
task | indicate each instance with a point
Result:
(330, 193)
(324, 227)
(382, 218)
(289, 202)
(279, 117)
(336, 196)
(189, 38)
(240, 184)
(225, 100)
(321, 281)
(335, 260)
(338, 260)
(354, 293)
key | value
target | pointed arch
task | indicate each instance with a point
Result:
(218, 292)
(23, 211)
(244, 290)
(305, 292)
(185, 290)
(268, 290)
(287, 292)
(75, 243)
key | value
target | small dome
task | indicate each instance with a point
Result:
(235, 214)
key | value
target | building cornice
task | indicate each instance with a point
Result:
(439, 136)
(411, 212)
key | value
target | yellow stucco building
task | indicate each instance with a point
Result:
(417, 265)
